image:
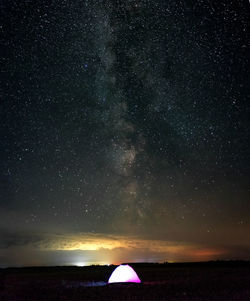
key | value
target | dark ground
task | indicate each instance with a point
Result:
(195, 281)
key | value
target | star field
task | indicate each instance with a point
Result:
(127, 120)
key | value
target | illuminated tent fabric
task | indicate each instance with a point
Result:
(124, 273)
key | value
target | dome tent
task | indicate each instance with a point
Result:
(124, 273)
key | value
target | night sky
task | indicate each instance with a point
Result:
(124, 131)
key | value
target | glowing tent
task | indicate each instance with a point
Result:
(124, 273)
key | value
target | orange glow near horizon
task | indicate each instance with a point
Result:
(115, 249)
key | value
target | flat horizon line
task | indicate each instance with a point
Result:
(207, 262)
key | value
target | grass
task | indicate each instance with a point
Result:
(206, 282)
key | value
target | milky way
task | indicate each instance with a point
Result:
(125, 118)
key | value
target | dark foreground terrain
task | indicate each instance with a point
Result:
(197, 281)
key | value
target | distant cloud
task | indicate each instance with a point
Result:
(101, 248)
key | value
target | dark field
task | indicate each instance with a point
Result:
(207, 281)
